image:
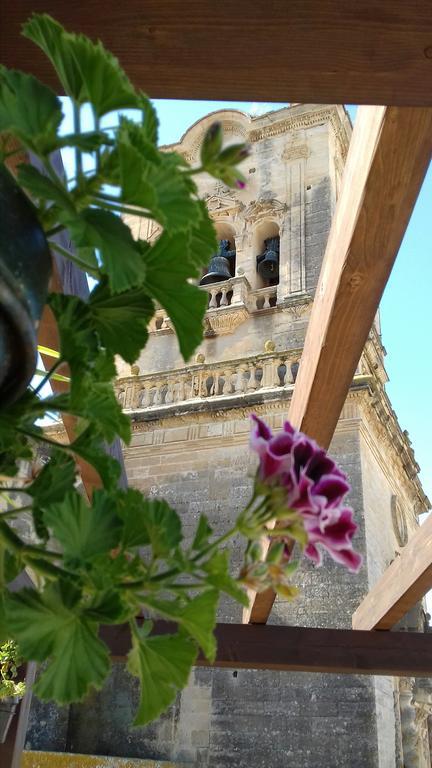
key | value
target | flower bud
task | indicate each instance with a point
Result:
(212, 144)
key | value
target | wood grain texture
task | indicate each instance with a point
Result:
(388, 157)
(401, 586)
(320, 51)
(301, 649)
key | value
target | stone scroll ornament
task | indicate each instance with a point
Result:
(119, 555)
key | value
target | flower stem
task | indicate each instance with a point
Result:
(48, 375)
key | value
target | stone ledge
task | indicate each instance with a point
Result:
(65, 760)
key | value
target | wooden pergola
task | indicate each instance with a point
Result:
(321, 51)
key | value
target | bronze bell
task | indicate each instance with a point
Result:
(221, 265)
(268, 261)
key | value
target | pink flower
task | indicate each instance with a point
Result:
(315, 487)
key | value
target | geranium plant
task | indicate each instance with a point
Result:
(120, 555)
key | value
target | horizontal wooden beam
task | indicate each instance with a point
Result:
(304, 51)
(388, 157)
(301, 649)
(401, 586)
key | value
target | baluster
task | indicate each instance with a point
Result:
(266, 301)
(169, 396)
(145, 396)
(240, 382)
(276, 363)
(213, 300)
(227, 386)
(267, 379)
(289, 378)
(224, 298)
(251, 384)
(159, 398)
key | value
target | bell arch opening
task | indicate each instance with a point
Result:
(266, 244)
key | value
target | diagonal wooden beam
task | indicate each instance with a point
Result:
(302, 649)
(301, 51)
(401, 586)
(387, 160)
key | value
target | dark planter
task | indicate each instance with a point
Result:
(25, 268)
(7, 710)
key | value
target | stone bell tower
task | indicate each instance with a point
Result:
(190, 445)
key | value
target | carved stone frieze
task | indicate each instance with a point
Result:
(223, 321)
(295, 152)
(221, 202)
(260, 209)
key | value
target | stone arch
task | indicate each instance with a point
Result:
(263, 230)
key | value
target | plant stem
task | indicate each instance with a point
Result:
(76, 259)
(48, 375)
(17, 511)
(114, 204)
(77, 130)
(42, 439)
(54, 230)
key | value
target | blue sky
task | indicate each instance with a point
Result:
(407, 302)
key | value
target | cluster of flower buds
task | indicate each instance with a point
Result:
(309, 491)
(221, 163)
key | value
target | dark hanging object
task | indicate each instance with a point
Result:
(25, 269)
(268, 261)
(221, 266)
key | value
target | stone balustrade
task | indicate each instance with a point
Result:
(235, 292)
(204, 381)
(263, 298)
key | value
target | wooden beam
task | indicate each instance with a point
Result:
(401, 586)
(301, 649)
(387, 160)
(304, 51)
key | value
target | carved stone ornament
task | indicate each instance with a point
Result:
(221, 202)
(295, 152)
(226, 321)
(260, 209)
(399, 522)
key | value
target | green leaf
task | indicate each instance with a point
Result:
(46, 628)
(108, 608)
(29, 109)
(41, 187)
(218, 575)
(86, 70)
(96, 401)
(163, 665)
(121, 319)
(89, 446)
(197, 617)
(84, 531)
(203, 533)
(78, 340)
(55, 479)
(167, 272)
(122, 261)
(148, 522)
(86, 142)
